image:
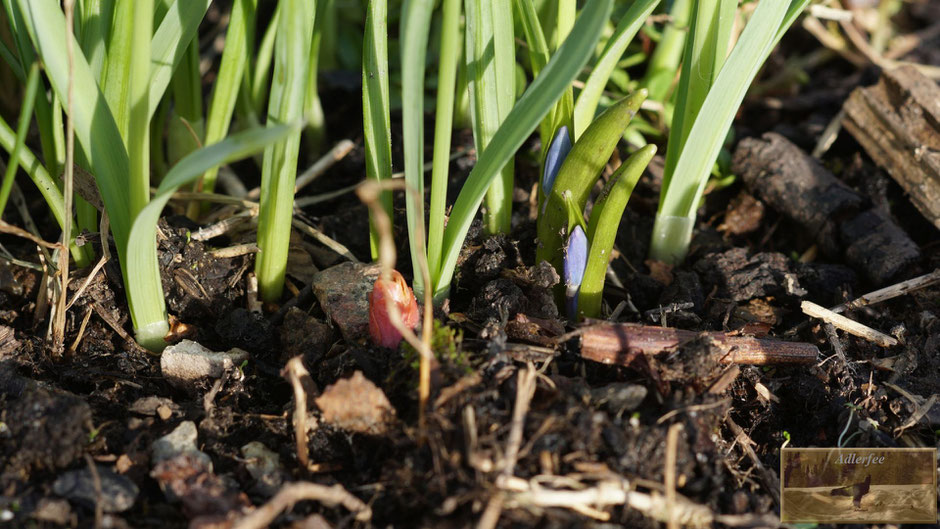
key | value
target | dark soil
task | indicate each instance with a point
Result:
(105, 402)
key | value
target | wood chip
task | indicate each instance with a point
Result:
(897, 121)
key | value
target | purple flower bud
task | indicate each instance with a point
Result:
(576, 253)
(556, 155)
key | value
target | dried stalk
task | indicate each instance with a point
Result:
(292, 493)
(850, 326)
(369, 192)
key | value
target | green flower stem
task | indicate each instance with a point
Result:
(603, 226)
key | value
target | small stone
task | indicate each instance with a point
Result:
(181, 441)
(118, 492)
(187, 362)
(164, 412)
(619, 397)
(52, 511)
(357, 405)
(265, 466)
(304, 335)
(152, 405)
(343, 292)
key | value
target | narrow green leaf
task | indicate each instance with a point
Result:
(522, 120)
(443, 124)
(534, 36)
(170, 41)
(590, 95)
(137, 139)
(96, 17)
(671, 234)
(263, 62)
(95, 128)
(376, 128)
(227, 84)
(279, 167)
(22, 127)
(708, 41)
(415, 25)
(603, 226)
(490, 60)
(145, 292)
(663, 65)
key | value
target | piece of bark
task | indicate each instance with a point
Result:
(782, 175)
(876, 245)
(844, 225)
(897, 121)
(621, 343)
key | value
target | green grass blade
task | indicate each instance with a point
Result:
(590, 95)
(143, 283)
(522, 120)
(227, 84)
(95, 23)
(415, 25)
(443, 124)
(263, 62)
(534, 36)
(671, 234)
(22, 127)
(95, 127)
(279, 168)
(315, 135)
(170, 41)
(137, 139)
(376, 125)
(490, 60)
(708, 40)
(186, 86)
(664, 63)
(603, 226)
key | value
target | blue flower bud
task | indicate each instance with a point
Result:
(556, 155)
(576, 254)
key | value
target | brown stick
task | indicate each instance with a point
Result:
(621, 343)
(847, 325)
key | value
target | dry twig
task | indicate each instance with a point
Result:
(891, 292)
(850, 326)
